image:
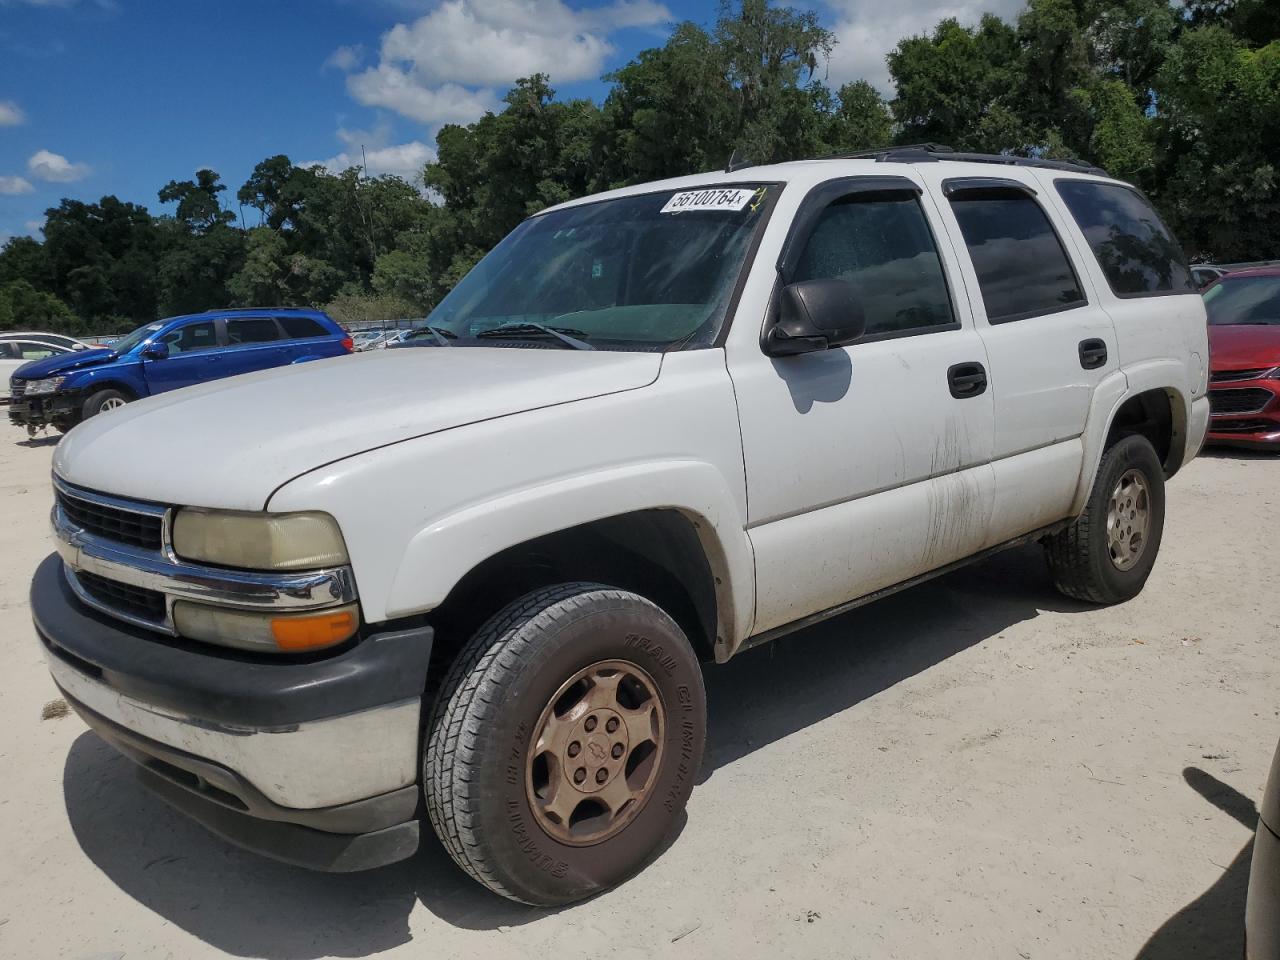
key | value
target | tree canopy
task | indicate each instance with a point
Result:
(1181, 99)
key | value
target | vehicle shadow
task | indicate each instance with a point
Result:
(1211, 927)
(249, 906)
(39, 441)
(1225, 452)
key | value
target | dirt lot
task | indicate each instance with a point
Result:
(976, 768)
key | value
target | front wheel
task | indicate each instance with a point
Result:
(564, 743)
(102, 401)
(1107, 554)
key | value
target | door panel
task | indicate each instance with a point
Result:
(862, 468)
(253, 343)
(192, 359)
(1035, 306)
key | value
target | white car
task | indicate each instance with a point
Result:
(17, 349)
(652, 428)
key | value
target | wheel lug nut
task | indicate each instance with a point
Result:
(575, 748)
(590, 724)
(611, 725)
(602, 775)
(580, 774)
(616, 751)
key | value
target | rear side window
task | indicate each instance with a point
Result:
(301, 328)
(1136, 251)
(882, 245)
(1022, 269)
(251, 330)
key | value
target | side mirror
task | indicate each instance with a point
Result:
(156, 350)
(815, 315)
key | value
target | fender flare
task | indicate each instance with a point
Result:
(471, 535)
(1110, 395)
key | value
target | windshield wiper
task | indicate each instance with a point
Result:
(442, 335)
(564, 334)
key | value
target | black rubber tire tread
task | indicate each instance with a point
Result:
(93, 404)
(474, 692)
(1077, 555)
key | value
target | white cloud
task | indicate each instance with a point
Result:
(54, 167)
(395, 89)
(866, 30)
(449, 65)
(11, 114)
(35, 226)
(401, 159)
(346, 58)
(15, 185)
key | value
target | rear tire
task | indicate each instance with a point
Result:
(103, 401)
(1108, 553)
(564, 743)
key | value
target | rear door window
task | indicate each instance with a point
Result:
(302, 328)
(1023, 271)
(247, 331)
(1136, 251)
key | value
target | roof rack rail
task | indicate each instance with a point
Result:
(931, 152)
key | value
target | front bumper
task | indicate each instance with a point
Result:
(43, 409)
(314, 762)
(1245, 413)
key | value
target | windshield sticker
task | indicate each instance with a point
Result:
(720, 198)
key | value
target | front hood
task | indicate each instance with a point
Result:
(232, 442)
(1244, 346)
(63, 363)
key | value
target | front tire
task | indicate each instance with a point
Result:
(1108, 553)
(564, 743)
(102, 401)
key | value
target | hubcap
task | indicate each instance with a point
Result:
(595, 752)
(111, 403)
(1128, 518)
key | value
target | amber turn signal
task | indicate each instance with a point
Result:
(296, 634)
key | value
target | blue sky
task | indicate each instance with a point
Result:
(120, 96)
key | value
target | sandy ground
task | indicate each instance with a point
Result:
(976, 768)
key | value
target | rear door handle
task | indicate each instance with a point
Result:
(1093, 353)
(967, 380)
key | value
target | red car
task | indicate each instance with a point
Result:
(1244, 347)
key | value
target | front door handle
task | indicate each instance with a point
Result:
(967, 380)
(1093, 353)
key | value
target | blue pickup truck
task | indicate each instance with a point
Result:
(62, 390)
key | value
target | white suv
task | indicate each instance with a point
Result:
(478, 575)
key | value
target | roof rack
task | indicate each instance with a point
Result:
(258, 309)
(932, 152)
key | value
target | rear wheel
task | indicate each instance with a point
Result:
(1108, 553)
(565, 743)
(103, 401)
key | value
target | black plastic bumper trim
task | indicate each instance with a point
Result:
(287, 842)
(225, 686)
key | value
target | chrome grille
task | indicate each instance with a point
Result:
(112, 523)
(1232, 376)
(17, 389)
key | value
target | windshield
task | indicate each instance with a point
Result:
(638, 272)
(131, 340)
(1253, 301)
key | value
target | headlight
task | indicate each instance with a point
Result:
(48, 385)
(1273, 374)
(259, 541)
(273, 632)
